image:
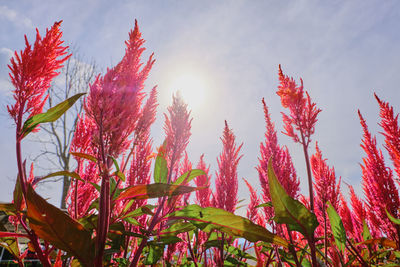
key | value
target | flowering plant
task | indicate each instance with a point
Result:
(109, 221)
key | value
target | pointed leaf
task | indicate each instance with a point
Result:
(266, 204)
(155, 190)
(392, 218)
(366, 233)
(50, 115)
(213, 218)
(63, 173)
(337, 227)
(57, 228)
(17, 195)
(160, 170)
(84, 156)
(383, 241)
(7, 207)
(289, 210)
(188, 176)
(9, 243)
(118, 172)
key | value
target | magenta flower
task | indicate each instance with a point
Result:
(203, 196)
(114, 100)
(326, 188)
(281, 162)
(226, 183)
(302, 112)
(379, 188)
(177, 127)
(252, 211)
(32, 71)
(391, 131)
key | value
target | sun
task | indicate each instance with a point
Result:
(192, 87)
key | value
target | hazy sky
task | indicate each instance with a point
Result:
(343, 50)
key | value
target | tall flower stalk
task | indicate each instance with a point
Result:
(299, 124)
(114, 106)
(379, 187)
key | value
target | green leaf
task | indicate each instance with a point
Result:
(155, 191)
(155, 253)
(208, 219)
(366, 233)
(63, 173)
(177, 228)
(132, 221)
(146, 209)
(57, 228)
(160, 170)
(289, 210)
(188, 176)
(392, 218)
(118, 172)
(50, 115)
(266, 204)
(84, 156)
(337, 227)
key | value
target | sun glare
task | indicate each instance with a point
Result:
(192, 88)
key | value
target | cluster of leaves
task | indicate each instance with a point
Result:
(110, 223)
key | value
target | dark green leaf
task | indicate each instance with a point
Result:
(337, 227)
(7, 207)
(50, 115)
(213, 218)
(289, 210)
(57, 228)
(177, 228)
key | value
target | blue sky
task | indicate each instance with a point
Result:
(343, 50)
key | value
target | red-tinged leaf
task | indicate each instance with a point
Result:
(7, 207)
(17, 195)
(84, 156)
(50, 115)
(57, 228)
(289, 210)
(10, 243)
(155, 191)
(10, 234)
(380, 241)
(63, 173)
(188, 176)
(210, 218)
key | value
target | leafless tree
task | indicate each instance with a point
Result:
(74, 78)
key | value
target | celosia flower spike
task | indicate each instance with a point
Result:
(303, 112)
(379, 188)
(226, 183)
(177, 127)
(114, 100)
(252, 211)
(326, 188)
(281, 162)
(32, 71)
(203, 196)
(391, 131)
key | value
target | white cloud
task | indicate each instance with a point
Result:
(16, 18)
